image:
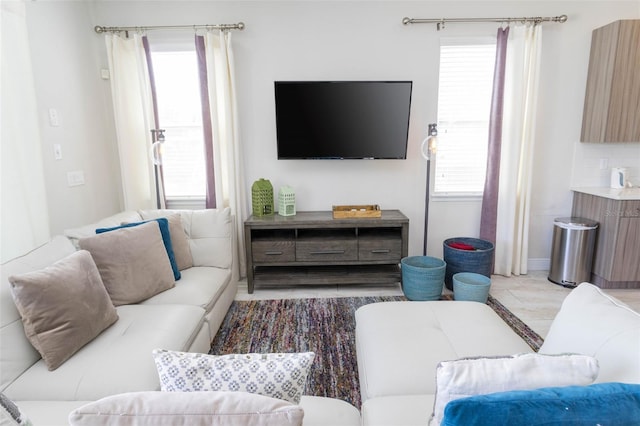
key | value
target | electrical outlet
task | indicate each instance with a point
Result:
(75, 178)
(604, 163)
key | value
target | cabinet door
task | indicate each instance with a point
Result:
(626, 263)
(611, 108)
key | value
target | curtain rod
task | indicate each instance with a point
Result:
(239, 26)
(440, 22)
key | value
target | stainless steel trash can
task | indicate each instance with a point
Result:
(572, 250)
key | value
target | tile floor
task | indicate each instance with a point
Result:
(532, 298)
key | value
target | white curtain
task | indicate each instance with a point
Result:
(133, 113)
(518, 138)
(24, 211)
(227, 155)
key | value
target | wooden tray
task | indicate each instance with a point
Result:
(349, 212)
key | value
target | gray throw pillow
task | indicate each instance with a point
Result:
(181, 249)
(63, 306)
(133, 262)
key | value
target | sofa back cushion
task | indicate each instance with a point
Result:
(16, 352)
(85, 231)
(210, 234)
(591, 322)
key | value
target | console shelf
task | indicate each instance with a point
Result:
(315, 248)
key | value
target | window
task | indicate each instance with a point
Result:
(464, 102)
(180, 114)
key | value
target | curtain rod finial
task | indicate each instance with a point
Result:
(241, 26)
(98, 29)
(562, 19)
(406, 21)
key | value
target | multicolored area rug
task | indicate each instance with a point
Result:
(325, 326)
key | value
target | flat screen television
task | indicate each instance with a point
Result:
(342, 119)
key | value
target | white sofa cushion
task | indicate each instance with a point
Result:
(199, 286)
(209, 232)
(63, 306)
(397, 410)
(16, 352)
(192, 408)
(75, 234)
(118, 360)
(400, 344)
(323, 411)
(210, 288)
(480, 376)
(277, 375)
(593, 323)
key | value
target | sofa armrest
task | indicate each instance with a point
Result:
(591, 322)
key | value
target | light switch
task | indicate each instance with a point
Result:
(57, 151)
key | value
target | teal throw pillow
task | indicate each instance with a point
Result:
(611, 404)
(166, 239)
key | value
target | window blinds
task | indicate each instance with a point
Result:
(464, 100)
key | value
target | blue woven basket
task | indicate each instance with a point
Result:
(479, 260)
(471, 286)
(422, 277)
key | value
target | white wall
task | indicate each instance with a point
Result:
(66, 58)
(330, 40)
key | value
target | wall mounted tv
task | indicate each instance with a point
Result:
(342, 119)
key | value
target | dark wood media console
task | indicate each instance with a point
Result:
(315, 248)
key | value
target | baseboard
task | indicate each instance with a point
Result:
(538, 264)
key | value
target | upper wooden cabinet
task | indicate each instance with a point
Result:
(612, 100)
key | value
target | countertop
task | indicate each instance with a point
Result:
(624, 194)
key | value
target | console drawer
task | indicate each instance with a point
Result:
(321, 251)
(273, 251)
(386, 249)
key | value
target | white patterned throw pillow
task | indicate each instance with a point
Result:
(277, 375)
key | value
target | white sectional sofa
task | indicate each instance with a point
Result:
(400, 345)
(119, 360)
